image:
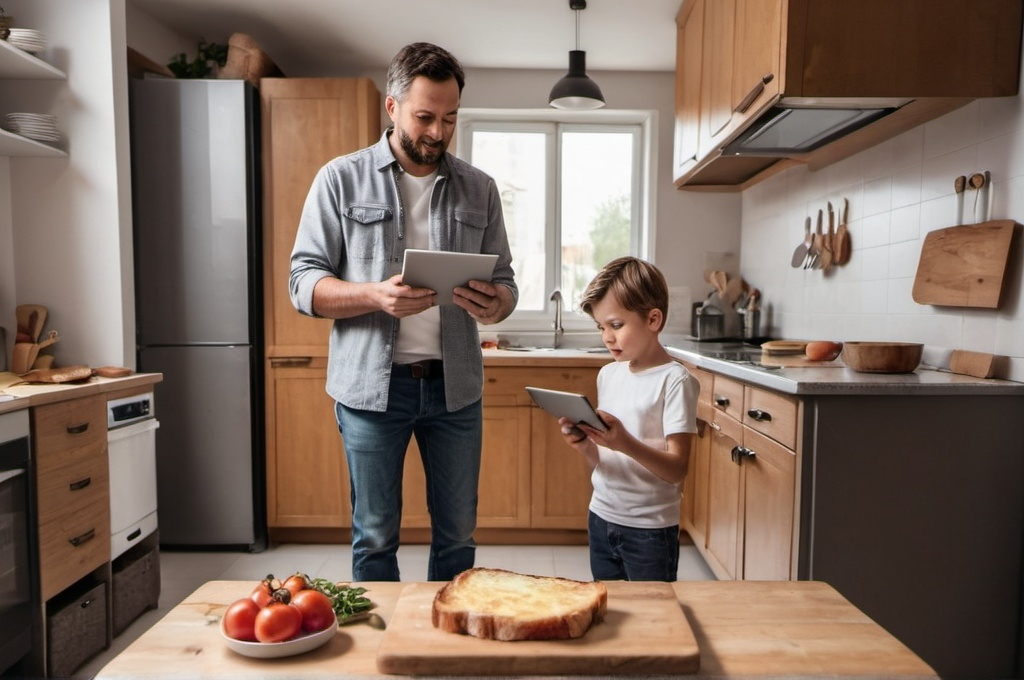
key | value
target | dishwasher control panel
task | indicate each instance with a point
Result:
(128, 410)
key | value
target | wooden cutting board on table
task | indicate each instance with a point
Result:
(644, 632)
(964, 266)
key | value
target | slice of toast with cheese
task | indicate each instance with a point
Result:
(496, 604)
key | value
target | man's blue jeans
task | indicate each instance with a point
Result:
(375, 445)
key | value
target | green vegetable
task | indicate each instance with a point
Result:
(348, 601)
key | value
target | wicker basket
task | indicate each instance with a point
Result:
(136, 588)
(76, 630)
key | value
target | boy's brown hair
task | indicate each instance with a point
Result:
(638, 286)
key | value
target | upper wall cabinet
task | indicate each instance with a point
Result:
(765, 84)
(18, 65)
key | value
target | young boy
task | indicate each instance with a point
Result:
(649, 402)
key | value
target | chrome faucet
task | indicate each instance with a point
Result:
(556, 297)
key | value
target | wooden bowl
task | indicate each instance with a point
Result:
(882, 357)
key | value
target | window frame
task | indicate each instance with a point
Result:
(644, 123)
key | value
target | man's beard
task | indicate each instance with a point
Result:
(431, 157)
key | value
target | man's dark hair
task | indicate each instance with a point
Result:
(422, 59)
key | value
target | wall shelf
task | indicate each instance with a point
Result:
(16, 145)
(18, 64)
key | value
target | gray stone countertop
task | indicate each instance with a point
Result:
(830, 378)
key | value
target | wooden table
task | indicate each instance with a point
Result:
(743, 629)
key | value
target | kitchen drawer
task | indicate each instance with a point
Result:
(727, 397)
(77, 427)
(706, 381)
(83, 477)
(74, 544)
(771, 414)
(506, 386)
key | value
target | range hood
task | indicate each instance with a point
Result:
(797, 125)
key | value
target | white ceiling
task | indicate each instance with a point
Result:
(324, 37)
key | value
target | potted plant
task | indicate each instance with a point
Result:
(209, 58)
(5, 24)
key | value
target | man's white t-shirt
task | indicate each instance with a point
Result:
(419, 336)
(651, 404)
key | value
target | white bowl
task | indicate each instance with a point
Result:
(273, 650)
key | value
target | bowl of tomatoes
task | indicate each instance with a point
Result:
(279, 619)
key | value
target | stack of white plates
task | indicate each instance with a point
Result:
(27, 39)
(41, 127)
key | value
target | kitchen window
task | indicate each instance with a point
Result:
(574, 188)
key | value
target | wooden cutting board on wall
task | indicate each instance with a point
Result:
(645, 632)
(964, 266)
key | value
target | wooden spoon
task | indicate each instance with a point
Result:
(826, 241)
(841, 247)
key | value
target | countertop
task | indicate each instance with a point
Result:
(27, 395)
(815, 378)
(743, 629)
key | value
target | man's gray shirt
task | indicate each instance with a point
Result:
(353, 228)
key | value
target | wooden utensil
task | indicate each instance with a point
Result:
(959, 184)
(800, 254)
(841, 249)
(977, 182)
(58, 375)
(826, 241)
(31, 319)
(964, 266)
(882, 357)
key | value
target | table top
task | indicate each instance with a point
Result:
(743, 629)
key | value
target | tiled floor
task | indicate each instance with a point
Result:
(181, 572)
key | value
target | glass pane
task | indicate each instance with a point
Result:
(516, 162)
(597, 206)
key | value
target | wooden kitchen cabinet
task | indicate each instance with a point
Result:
(306, 122)
(750, 54)
(750, 477)
(694, 510)
(72, 490)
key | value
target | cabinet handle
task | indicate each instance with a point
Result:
(83, 538)
(754, 93)
(77, 429)
(738, 453)
(80, 484)
(715, 426)
(721, 401)
(759, 415)
(285, 362)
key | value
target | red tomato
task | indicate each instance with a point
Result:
(278, 622)
(261, 593)
(295, 583)
(317, 610)
(240, 620)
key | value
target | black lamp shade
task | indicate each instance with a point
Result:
(575, 90)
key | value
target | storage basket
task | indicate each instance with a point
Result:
(136, 588)
(76, 629)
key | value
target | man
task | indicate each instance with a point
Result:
(400, 365)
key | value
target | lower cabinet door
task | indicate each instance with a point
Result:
(307, 481)
(724, 479)
(769, 488)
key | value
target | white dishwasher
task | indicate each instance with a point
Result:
(131, 451)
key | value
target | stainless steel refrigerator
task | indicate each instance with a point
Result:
(198, 285)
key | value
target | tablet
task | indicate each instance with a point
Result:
(442, 271)
(575, 407)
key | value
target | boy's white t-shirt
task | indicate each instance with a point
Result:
(651, 404)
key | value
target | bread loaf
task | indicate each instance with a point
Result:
(496, 604)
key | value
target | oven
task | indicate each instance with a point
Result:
(18, 590)
(131, 451)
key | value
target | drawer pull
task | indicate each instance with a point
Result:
(80, 484)
(284, 362)
(721, 401)
(759, 415)
(83, 538)
(738, 453)
(135, 534)
(754, 93)
(715, 426)
(78, 429)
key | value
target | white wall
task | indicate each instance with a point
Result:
(70, 220)
(898, 192)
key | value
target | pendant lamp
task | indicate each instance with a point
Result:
(575, 90)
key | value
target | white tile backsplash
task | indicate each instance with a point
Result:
(898, 191)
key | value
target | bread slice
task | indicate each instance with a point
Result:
(496, 604)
